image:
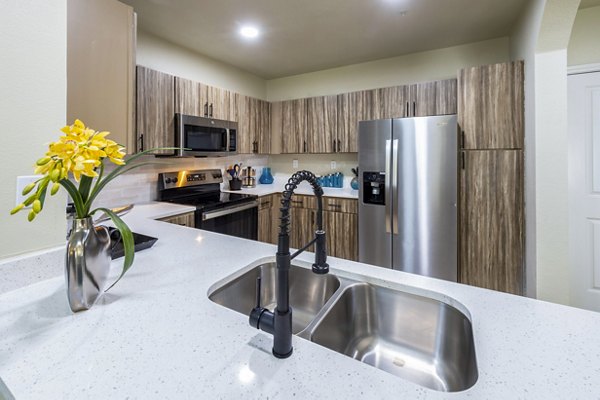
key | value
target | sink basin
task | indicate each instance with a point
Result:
(308, 292)
(416, 338)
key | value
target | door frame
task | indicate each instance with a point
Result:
(574, 228)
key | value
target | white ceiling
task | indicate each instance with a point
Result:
(299, 36)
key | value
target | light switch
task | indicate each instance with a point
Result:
(23, 181)
(295, 164)
(333, 165)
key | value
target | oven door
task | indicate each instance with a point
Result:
(240, 220)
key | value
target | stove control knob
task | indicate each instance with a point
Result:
(173, 180)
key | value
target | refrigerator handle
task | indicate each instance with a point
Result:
(388, 203)
(395, 187)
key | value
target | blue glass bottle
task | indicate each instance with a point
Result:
(266, 177)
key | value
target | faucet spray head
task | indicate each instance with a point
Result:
(320, 266)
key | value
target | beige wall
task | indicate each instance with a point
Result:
(32, 109)
(523, 42)
(411, 68)
(584, 46)
(320, 164)
(157, 53)
(541, 38)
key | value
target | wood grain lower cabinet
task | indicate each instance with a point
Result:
(155, 122)
(344, 240)
(265, 223)
(491, 106)
(186, 219)
(492, 220)
(341, 225)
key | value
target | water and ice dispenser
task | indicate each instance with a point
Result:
(374, 188)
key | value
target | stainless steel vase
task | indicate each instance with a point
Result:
(87, 263)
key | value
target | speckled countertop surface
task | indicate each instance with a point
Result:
(156, 335)
(304, 188)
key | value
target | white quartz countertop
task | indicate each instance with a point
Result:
(156, 335)
(304, 188)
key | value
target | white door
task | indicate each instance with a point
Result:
(584, 189)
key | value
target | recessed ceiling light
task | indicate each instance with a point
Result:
(249, 32)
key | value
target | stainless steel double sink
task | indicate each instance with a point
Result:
(417, 338)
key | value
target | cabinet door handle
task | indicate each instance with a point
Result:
(414, 108)
(206, 109)
(141, 142)
(339, 149)
(211, 110)
(407, 109)
(305, 146)
(462, 139)
(334, 144)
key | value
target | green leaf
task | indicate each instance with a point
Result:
(74, 193)
(126, 237)
(85, 184)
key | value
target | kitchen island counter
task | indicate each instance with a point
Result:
(157, 335)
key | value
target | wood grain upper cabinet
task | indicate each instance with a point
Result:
(101, 67)
(293, 126)
(321, 124)
(188, 98)
(254, 126)
(422, 99)
(431, 98)
(391, 102)
(246, 125)
(446, 97)
(155, 109)
(492, 220)
(200, 100)
(219, 103)
(263, 136)
(490, 106)
(353, 107)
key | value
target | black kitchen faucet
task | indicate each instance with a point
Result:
(279, 321)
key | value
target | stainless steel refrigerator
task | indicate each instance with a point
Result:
(407, 217)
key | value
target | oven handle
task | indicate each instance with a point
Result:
(226, 211)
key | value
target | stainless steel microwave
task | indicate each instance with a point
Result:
(204, 137)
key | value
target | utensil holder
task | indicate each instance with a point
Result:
(235, 184)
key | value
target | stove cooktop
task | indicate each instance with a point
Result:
(208, 201)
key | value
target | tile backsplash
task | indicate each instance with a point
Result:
(140, 185)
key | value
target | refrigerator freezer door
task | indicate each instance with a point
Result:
(425, 203)
(375, 245)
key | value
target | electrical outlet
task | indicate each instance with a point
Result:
(295, 164)
(23, 181)
(333, 165)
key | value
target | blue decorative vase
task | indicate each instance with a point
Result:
(266, 177)
(354, 183)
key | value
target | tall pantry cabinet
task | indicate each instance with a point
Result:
(490, 116)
